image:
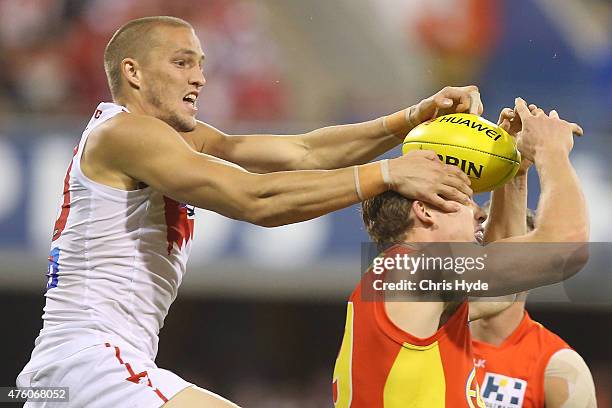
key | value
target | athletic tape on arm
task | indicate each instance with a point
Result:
(569, 365)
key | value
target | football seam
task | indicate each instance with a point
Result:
(464, 147)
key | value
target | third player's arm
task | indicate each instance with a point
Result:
(555, 249)
(507, 218)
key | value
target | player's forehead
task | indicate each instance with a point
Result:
(179, 41)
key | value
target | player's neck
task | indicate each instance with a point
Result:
(496, 329)
(132, 105)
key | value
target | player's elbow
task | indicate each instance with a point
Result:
(577, 259)
(261, 212)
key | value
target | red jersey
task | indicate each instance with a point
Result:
(512, 375)
(381, 366)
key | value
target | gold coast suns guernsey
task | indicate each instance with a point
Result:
(381, 366)
(512, 375)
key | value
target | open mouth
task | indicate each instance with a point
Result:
(479, 236)
(191, 100)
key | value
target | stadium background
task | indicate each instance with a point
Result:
(260, 315)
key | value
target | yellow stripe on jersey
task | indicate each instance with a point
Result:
(416, 379)
(342, 370)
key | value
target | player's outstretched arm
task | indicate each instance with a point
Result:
(568, 382)
(507, 218)
(147, 150)
(334, 146)
(555, 250)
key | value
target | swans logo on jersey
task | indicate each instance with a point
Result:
(472, 391)
(53, 268)
(500, 391)
(179, 223)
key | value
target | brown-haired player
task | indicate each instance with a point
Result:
(124, 228)
(412, 348)
(520, 363)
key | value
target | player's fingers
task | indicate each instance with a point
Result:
(520, 107)
(443, 100)
(553, 114)
(576, 129)
(457, 172)
(444, 205)
(458, 183)
(506, 114)
(427, 154)
(535, 110)
(459, 96)
(505, 124)
(451, 193)
(465, 102)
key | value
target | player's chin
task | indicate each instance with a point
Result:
(185, 123)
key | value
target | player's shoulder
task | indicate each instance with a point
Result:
(127, 132)
(547, 337)
(130, 124)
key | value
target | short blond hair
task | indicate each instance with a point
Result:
(133, 40)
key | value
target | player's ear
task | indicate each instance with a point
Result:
(131, 71)
(422, 212)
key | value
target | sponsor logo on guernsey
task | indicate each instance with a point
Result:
(500, 391)
(480, 362)
(472, 391)
(53, 268)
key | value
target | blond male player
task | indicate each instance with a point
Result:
(122, 236)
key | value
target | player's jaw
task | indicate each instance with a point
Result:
(178, 111)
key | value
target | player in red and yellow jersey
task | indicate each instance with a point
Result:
(531, 367)
(520, 363)
(409, 346)
(381, 365)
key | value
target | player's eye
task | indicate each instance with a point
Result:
(180, 63)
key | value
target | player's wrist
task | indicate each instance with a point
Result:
(550, 155)
(398, 124)
(371, 179)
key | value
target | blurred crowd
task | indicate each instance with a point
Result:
(51, 54)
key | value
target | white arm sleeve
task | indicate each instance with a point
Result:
(569, 366)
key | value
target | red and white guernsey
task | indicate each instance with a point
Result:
(117, 260)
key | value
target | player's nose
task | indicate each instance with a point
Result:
(197, 78)
(480, 215)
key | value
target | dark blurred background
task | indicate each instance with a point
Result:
(260, 315)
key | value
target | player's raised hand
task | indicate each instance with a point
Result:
(420, 175)
(510, 121)
(450, 99)
(541, 132)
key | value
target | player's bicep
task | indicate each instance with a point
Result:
(256, 153)
(156, 155)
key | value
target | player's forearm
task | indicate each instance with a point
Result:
(562, 211)
(508, 212)
(281, 198)
(346, 145)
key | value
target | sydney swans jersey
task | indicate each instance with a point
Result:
(381, 366)
(512, 375)
(117, 259)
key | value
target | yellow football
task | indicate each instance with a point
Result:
(483, 150)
